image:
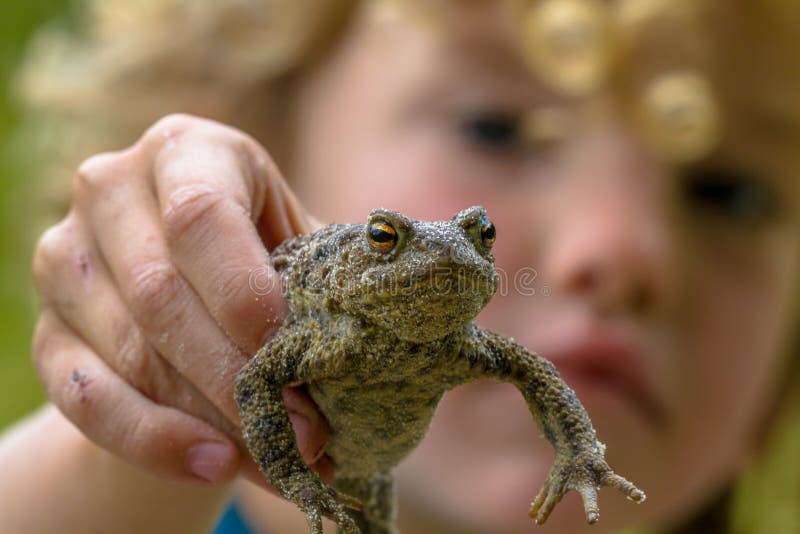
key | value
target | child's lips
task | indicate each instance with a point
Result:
(601, 362)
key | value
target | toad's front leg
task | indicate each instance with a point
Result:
(268, 431)
(580, 462)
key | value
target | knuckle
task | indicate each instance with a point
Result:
(188, 207)
(134, 360)
(245, 145)
(96, 173)
(259, 159)
(148, 440)
(233, 284)
(133, 437)
(155, 288)
(141, 366)
(40, 344)
(51, 250)
(176, 125)
(171, 126)
(261, 168)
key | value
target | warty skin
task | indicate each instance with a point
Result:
(380, 327)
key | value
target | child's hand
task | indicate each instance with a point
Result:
(156, 289)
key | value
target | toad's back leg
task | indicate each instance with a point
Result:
(378, 498)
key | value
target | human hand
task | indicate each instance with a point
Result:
(148, 308)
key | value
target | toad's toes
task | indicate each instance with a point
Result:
(585, 475)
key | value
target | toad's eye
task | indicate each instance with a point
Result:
(488, 233)
(382, 236)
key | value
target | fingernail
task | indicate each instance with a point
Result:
(209, 461)
(318, 454)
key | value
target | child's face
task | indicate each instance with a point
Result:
(666, 300)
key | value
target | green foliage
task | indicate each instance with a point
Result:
(767, 498)
(19, 389)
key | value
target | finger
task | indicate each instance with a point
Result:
(310, 427)
(282, 216)
(75, 282)
(311, 435)
(118, 418)
(589, 496)
(123, 218)
(208, 220)
(633, 493)
(98, 314)
(278, 213)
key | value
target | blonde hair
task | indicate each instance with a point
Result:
(137, 60)
(157, 54)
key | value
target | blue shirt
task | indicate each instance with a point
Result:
(232, 522)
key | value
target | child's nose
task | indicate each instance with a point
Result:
(613, 242)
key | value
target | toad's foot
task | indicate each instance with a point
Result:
(318, 500)
(584, 472)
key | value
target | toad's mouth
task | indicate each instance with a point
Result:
(445, 274)
(448, 288)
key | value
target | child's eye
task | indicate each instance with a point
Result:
(497, 131)
(730, 193)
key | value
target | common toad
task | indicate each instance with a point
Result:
(380, 327)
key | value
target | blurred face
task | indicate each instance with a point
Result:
(665, 298)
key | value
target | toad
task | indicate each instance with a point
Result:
(380, 327)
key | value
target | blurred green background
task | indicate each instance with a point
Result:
(19, 390)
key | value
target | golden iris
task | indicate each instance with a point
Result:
(382, 236)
